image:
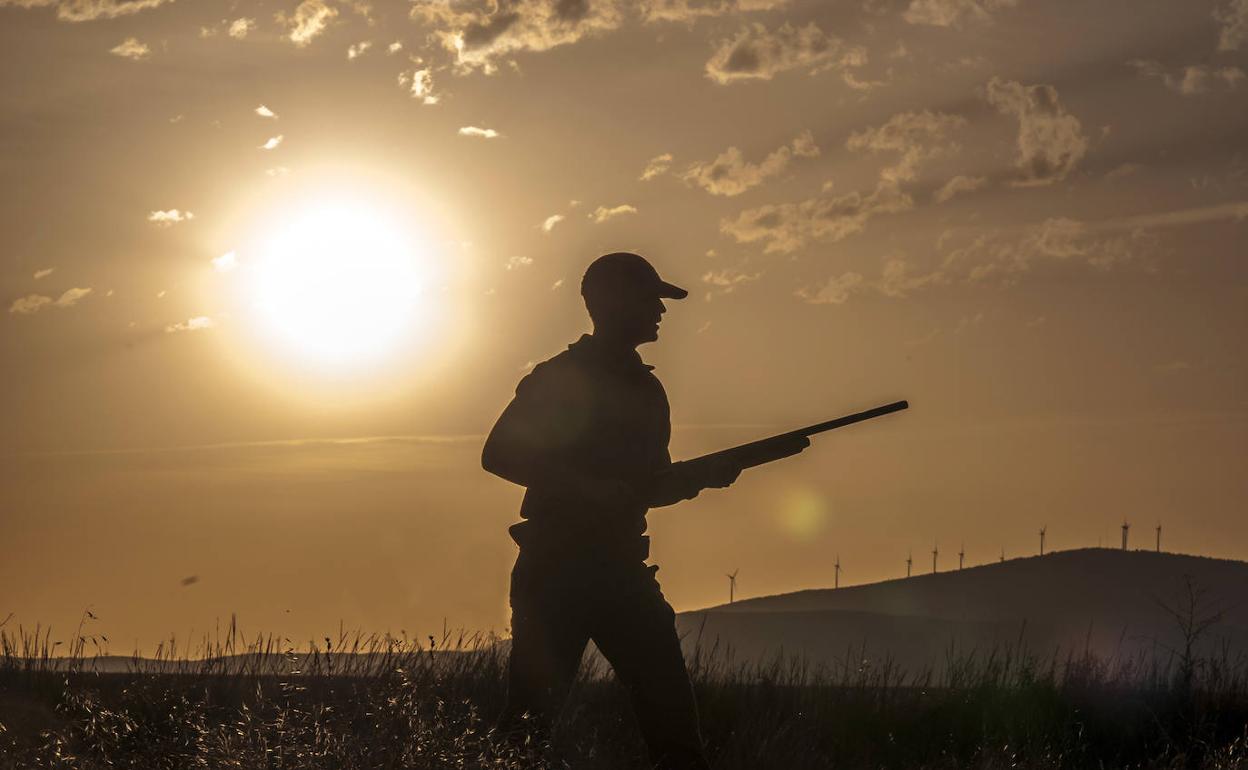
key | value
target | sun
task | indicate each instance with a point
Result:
(340, 283)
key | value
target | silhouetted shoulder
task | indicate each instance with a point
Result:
(560, 376)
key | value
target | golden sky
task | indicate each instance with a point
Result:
(1026, 217)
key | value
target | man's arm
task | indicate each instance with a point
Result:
(527, 445)
(681, 481)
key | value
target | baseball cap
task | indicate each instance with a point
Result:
(625, 271)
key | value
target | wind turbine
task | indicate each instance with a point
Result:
(935, 551)
(961, 555)
(1126, 528)
(909, 561)
(732, 585)
(1002, 554)
(1158, 538)
(1042, 531)
(836, 581)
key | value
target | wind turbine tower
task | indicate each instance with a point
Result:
(935, 552)
(1003, 554)
(1126, 528)
(1158, 538)
(1042, 531)
(836, 581)
(732, 585)
(961, 555)
(909, 561)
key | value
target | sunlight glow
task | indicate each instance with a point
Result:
(340, 284)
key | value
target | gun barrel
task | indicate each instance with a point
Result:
(786, 444)
(841, 422)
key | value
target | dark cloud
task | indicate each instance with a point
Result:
(1232, 15)
(757, 53)
(479, 34)
(1050, 140)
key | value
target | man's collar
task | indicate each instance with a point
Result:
(615, 357)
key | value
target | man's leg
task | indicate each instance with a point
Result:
(548, 638)
(636, 633)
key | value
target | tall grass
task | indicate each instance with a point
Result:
(366, 701)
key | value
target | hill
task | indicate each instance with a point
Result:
(1111, 602)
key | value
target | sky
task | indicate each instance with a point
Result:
(1028, 218)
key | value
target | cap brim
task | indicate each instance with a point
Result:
(671, 291)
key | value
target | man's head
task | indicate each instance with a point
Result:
(624, 296)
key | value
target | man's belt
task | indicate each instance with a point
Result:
(561, 544)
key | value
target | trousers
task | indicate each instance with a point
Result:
(558, 606)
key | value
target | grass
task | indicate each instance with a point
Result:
(380, 702)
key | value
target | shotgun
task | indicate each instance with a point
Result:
(784, 445)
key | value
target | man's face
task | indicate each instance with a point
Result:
(634, 319)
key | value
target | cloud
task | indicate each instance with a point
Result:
(728, 279)
(602, 213)
(419, 84)
(759, 54)
(1192, 79)
(787, 227)
(1050, 140)
(197, 323)
(515, 263)
(169, 218)
(394, 47)
(132, 49)
(953, 13)
(31, 303)
(957, 186)
(897, 279)
(44, 273)
(1122, 170)
(308, 21)
(356, 50)
(241, 27)
(1232, 15)
(690, 10)
(551, 221)
(1236, 211)
(485, 32)
(272, 142)
(556, 284)
(71, 297)
(1003, 257)
(265, 112)
(834, 291)
(656, 166)
(484, 133)
(225, 263)
(729, 174)
(914, 136)
(88, 10)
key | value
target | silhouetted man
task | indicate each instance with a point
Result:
(587, 434)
